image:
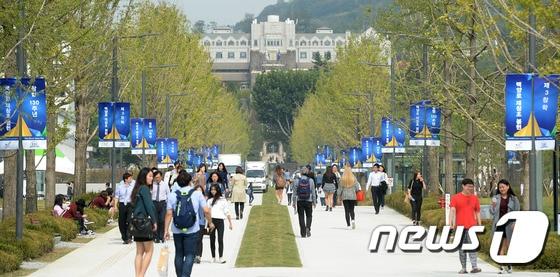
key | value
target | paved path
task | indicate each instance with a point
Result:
(332, 250)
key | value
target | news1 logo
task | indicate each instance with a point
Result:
(526, 244)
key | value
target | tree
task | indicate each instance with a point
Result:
(278, 94)
(199, 27)
(244, 26)
(328, 116)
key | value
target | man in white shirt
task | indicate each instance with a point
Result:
(160, 190)
(122, 197)
(374, 181)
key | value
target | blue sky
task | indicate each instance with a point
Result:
(224, 12)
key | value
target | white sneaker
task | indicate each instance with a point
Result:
(221, 261)
(353, 224)
(215, 260)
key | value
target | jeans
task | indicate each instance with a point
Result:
(185, 249)
(349, 210)
(239, 206)
(305, 214)
(376, 193)
(416, 208)
(251, 197)
(463, 254)
(219, 223)
(199, 242)
(124, 215)
(161, 209)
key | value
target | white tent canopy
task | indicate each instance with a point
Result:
(64, 159)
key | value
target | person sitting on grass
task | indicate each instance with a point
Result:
(76, 211)
(58, 208)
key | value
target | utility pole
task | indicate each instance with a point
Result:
(425, 149)
(535, 191)
(22, 71)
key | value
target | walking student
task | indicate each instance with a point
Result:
(185, 226)
(414, 195)
(465, 211)
(202, 227)
(503, 202)
(143, 207)
(220, 211)
(201, 176)
(222, 171)
(304, 200)
(289, 192)
(374, 181)
(347, 193)
(329, 186)
(279, 180)
(338, 176)
(122, 197)
(160, 190)
(238, 196)
(383, 186)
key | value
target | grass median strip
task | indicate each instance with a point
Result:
(268, 240)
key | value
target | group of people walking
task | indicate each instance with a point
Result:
(195, 204)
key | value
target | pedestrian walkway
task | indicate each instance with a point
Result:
(331, 251)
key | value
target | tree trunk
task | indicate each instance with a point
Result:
(471, 130)
(81, 145)
(9, 204)
(525, 180)
(31, 181)
(433, 169)
(50, 173)
(448, 153)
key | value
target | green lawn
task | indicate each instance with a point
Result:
(268, 240)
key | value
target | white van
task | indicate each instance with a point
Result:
(256, 173)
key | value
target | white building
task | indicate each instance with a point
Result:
(274, 44)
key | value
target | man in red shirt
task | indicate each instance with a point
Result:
(465, 211)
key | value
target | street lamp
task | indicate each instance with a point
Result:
(115, 92)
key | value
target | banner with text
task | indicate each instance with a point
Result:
(114, 123)
(425, 124)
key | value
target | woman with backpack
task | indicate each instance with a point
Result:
(143, 210)
(220, 211)
(238, 195)
(329, 186)
(347, 190)
(279, 180)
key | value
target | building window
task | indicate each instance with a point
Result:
(230, 43)
(303, 43)
(255, 43)
(243, 43)
(218, 55)
(315, 43)
(231, 55)
(297, 43)
(328, 55)
(206, 43)
(219, 43)
(303, 55)
(243, 55)
(327, 43)
(316, 55)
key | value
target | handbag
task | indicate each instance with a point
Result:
(140, 225)
(360, 195)
(163, 261)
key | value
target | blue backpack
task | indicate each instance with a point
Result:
(184, 215)
(303, 189)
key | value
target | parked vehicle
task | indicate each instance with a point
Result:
(257, 175)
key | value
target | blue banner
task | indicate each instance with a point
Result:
(392, 136)
(33, 116)
(150, 135)
(328, 153)
(143, 136)
(367, 152)
(215, 151)
(354, 156)
(163, 159)
(521, 118)
(172, 150)
(377, 150)
(191, 156)
(114, 123)
(425, 124)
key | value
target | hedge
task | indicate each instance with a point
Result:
(432, 215)
(38, 235)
